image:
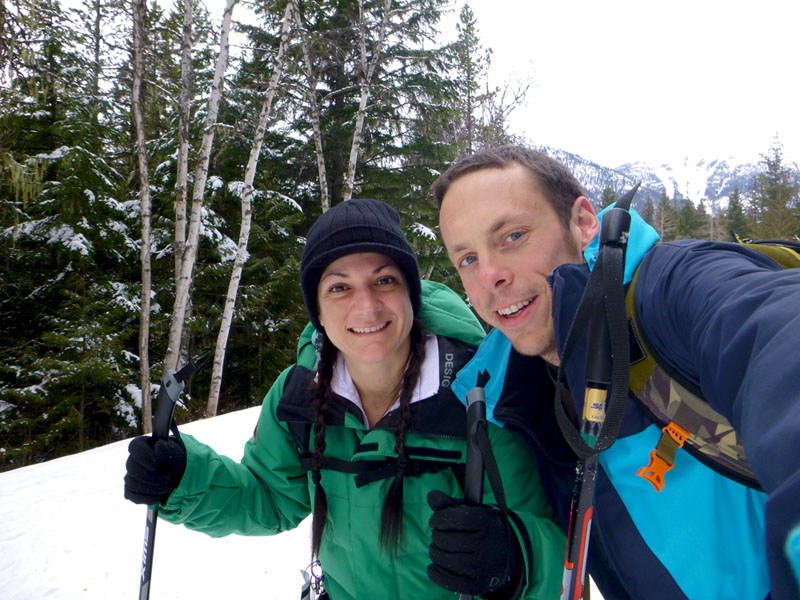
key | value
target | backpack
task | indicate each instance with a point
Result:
(687, 420)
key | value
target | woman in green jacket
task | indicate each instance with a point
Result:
(358, 433)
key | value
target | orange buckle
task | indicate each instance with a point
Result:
(662, 459)
(655, 471)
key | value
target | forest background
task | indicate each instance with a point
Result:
(158, 174)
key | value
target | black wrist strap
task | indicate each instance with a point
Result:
(490, 464)
(517, 578)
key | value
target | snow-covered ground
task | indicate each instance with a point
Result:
(66, 532)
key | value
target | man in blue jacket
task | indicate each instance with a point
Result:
(517, 226)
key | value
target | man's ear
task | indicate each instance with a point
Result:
(583, 221)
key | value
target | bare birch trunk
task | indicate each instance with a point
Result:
(355, 147)
(184, 280)
(247, 214)
(311, 95)
(366, 73)
(139, 8)
(181, 181)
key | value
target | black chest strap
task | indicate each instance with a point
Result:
(370, 471)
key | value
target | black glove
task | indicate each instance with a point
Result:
(473, 549)
(154, 468)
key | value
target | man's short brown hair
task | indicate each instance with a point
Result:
(553, 179)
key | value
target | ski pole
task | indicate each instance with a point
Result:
(476, 417)
(171, 387)
(607, 368)
(598, 378)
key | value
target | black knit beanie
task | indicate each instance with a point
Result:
(356, 225)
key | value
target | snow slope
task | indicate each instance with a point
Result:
(68, 534)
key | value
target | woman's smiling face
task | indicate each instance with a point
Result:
(365, 308)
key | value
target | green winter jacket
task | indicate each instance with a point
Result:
(270, 490)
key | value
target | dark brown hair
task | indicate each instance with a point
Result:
(391, 533)
(553, 179)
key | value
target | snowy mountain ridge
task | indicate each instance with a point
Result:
(712, 181)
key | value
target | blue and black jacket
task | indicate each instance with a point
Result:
(728, 320)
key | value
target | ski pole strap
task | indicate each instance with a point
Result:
(496, 483)
(603, 292)
(490, 464)
(602, 305)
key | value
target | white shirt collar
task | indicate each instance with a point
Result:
(428, 384)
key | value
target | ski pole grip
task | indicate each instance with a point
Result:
(171, 387)
(476, 417)
(473, 479)
(615, 227)
(616, 224)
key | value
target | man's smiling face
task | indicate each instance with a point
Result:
(504, 238)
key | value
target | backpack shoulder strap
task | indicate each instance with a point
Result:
(686, 418)
(296, 412)
(784, 252)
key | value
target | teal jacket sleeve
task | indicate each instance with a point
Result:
(266, 493)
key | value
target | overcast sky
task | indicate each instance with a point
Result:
(625, 80)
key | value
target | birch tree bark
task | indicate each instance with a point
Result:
(247, 214)
(181, 180)
(313, 104)
(139, 10)
(184, 280)
(366, 71)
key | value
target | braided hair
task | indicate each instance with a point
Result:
(391, 533)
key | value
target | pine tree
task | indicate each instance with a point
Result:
(66, 241)
(608, 197)
(649, 210)
(689, 221)
(666, 218)
(717, 222)
(774, 205)
(704, 227)
(736, 222)
(472, 64)
(479, 118)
